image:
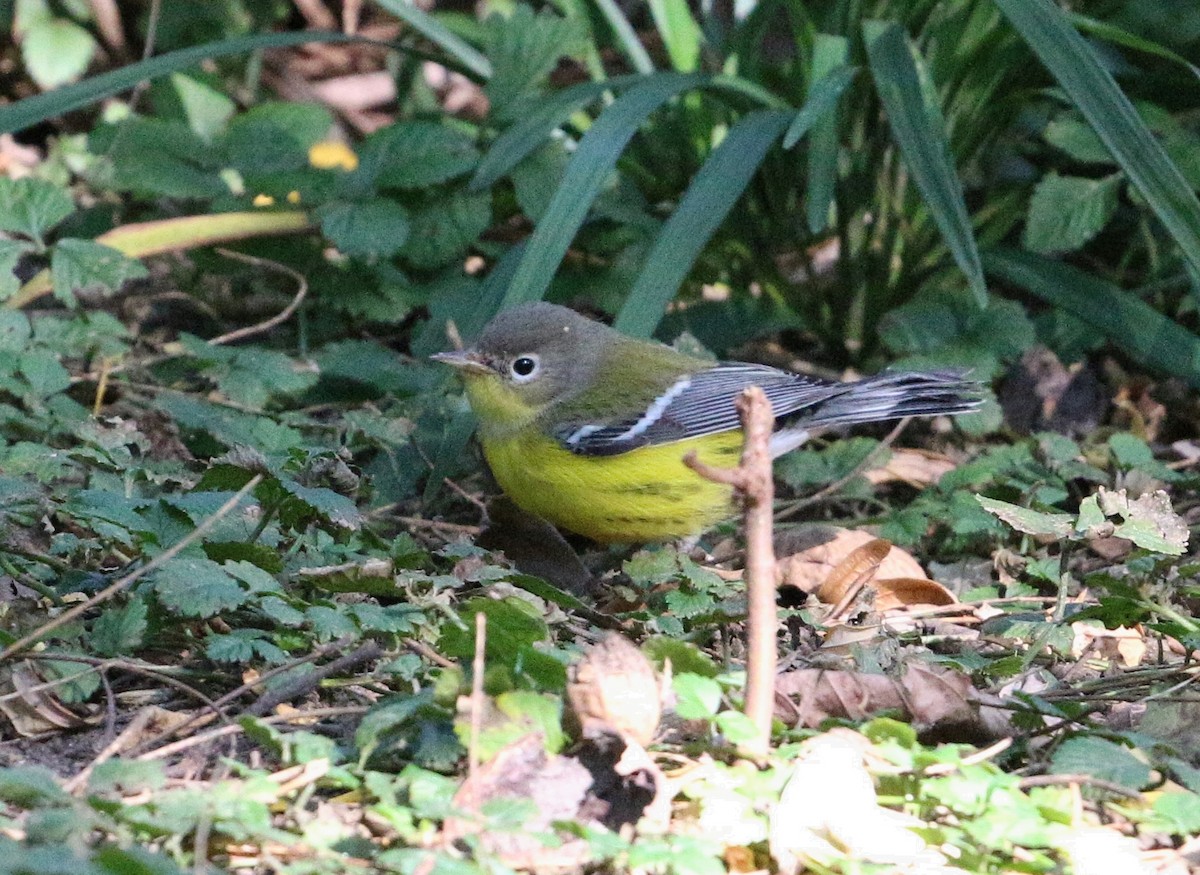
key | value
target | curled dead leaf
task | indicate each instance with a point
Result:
(809, 569)
(902, 592)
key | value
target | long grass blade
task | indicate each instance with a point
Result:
(593, 161)
(708, 200)
(679, 31)
(1128, 322)
(1112, 116)
(627, 37)
(32, 110)
(522, 139)
(829, 53)
(822, 97)
(440, 35)
(920, 131)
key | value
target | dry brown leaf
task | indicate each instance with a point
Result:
(917, 468)
(1123, 645)
(924, 695)
(901, 592)
(524, 771)
(32, 706)
(615, 689)
(809, 569)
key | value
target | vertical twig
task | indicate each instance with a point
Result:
(753, 481)
(477, 668)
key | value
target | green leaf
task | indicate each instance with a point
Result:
(120, 631)
(704, 206)
(416, 154)
(206, 110)
(44, 372)
(589, 169)
(920, 130)
(1148, 521)
(1092, 89)
(329, 506)
(1131, 324)
(679, 32)
(152, 156)
(275, 137)
(697, 697)
(537, 178)
(627, 38)
(1069, 132)
(440, 35)
(10, 254)
(823, 97)
(1100, 758)
(1029, 521)
(443, 231)
(84, 265)
(32, 206)
(1066, 212)
(829, 53)
(376, 228)
(197, 588)
(524, 48)
(56, 51)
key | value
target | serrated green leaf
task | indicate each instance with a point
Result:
(56, 51)
(1029, 521)
(327, 505)
(32, 207)
(1100, 758)
(86, 266)
(10, 254)
(1069, 132)
(416, 154)
(197, 588)
(274, 137)
(1066, 212)
(120, 631)
(524, 47)
(44, 372)
(443, 231)
(920, 131)
(376, 228)
(328, 624)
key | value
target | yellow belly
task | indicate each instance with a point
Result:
(646, 494)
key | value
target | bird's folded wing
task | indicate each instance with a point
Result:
(694, 406)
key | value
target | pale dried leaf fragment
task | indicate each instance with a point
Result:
(615, 689)
(1121, 645)
(917, 468)
(828, 811)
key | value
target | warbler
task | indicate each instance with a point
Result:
(587, 428)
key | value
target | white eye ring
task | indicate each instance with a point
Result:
(525, 367)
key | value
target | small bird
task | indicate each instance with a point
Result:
(587, 428)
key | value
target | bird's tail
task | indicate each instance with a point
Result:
(897, 395)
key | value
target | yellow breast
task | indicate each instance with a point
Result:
(647, 494)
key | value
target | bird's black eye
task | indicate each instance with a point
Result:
(524, 366)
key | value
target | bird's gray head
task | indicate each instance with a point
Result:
(540, 352)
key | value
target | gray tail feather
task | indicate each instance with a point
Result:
(893, 395)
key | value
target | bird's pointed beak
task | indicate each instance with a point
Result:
(465, 360)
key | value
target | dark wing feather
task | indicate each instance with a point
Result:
(696, 405)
